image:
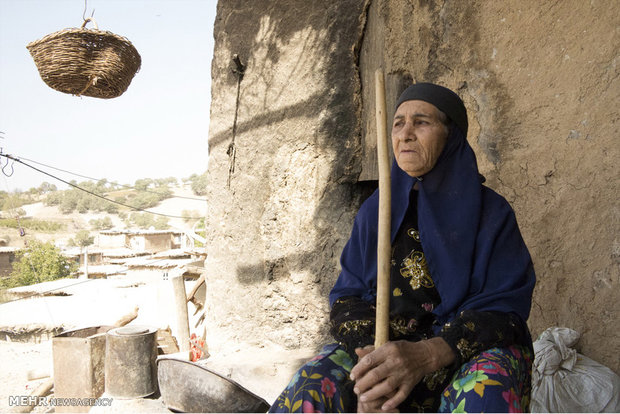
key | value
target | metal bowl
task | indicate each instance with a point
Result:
(189, 387)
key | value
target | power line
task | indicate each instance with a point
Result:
(113, 183)
(8, 156)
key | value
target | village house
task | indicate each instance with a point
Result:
(77, 254)
(123, 252)
(7, 257)
(150, 241)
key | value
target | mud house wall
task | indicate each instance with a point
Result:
(158, 242)
(136, 242)
(6, 262)
(93, 258)
(6, 267)
(283, 167)
(540, 81)
(112, 240)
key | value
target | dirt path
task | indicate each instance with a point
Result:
(18, 359)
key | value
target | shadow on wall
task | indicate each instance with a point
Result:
(332, 57)
(335, 58)
(310, 107)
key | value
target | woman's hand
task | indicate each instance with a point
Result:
(375, 405)
(384, 377)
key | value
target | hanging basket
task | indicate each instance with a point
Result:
(86, 62)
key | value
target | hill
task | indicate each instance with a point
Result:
(73, 222)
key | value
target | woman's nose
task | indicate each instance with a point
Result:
(407, 133)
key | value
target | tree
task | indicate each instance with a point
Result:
(110, 208)
(83, 205)
(101, 185)
(143, 183)
(144, 200)
(40, 262)
(46, 187)
(143, 221)
(83, 238)
(161, 223)
(199, 184)
(146, 221)
(102, 224)
(190, 216)
(14, 200)
(69, 201)
(163, 182)
(54, 198)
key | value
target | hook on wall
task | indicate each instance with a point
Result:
(232, 149)
(240, 67)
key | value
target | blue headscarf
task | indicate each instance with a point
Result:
(469, 234)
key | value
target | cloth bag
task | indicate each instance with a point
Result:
(566, 381)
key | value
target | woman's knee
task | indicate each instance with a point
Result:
(495, 380)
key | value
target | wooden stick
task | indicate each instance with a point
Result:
(383, 232)
(41, 391)
(125, 319)
(35, 374)
(178, 285)
(199, 282)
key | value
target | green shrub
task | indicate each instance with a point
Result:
(146, 220)
(40, 262)
(54, 199)
(32, 224)
(101, 224)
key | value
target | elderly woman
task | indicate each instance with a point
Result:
(461, 285)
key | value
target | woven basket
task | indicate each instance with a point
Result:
(86, 62)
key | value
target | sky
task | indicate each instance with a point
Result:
(158, 128)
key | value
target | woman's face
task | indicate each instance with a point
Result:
(418, 137)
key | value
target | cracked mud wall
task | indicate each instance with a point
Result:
(540, 82)
(279, 217)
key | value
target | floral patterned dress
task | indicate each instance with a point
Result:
(492, 370)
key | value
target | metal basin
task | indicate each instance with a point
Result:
(189, 387)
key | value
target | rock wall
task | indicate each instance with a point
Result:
(540, 81)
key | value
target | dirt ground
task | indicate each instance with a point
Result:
(264, 371)
(18, 359)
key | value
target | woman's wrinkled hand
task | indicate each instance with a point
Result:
(384, 377)
(375, 405)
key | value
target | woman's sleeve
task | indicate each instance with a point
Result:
(352, 322)
(473, 332)
(358, 262)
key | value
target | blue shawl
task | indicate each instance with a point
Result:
(469, 233)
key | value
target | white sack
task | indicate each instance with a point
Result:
(565, 381)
